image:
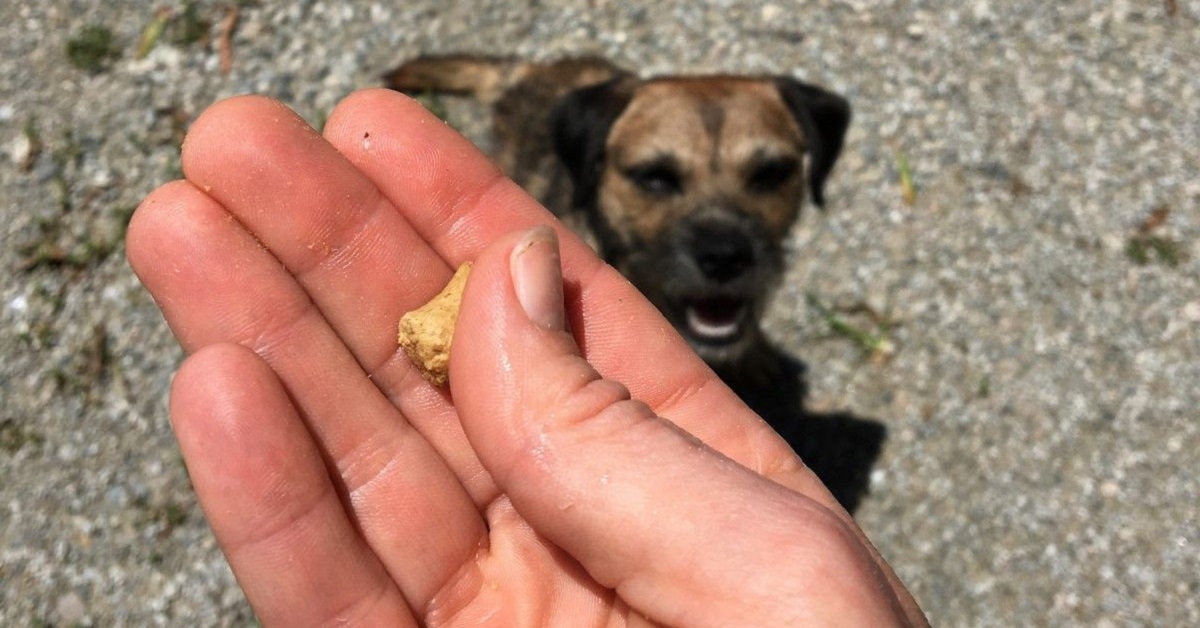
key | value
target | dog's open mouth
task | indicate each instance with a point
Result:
(715, 319)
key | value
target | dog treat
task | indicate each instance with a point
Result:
(426, 332)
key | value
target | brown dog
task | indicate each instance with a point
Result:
(687, 185)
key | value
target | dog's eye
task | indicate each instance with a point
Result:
(656, 179)
(771, 175)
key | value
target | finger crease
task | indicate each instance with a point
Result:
(340, 236)
(453, 220)
(291, 521)
(359, 609)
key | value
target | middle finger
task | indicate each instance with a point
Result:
(354, 254)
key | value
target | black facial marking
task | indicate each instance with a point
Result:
(712, 116)
(767, 173)
(659, 177)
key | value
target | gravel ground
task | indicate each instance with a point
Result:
(1038, 289)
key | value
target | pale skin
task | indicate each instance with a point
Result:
(584, 469)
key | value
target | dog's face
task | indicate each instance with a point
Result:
(691, 185)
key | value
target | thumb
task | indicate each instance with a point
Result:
(646, 508)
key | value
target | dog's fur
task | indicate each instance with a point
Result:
(687, 185)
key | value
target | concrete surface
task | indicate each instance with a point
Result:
(1042, 387)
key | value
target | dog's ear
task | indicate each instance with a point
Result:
(579, 125)
(824, 117)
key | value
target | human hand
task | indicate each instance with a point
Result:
(343, 487)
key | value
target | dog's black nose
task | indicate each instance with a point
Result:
(722, 254)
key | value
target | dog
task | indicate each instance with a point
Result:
(688, 185)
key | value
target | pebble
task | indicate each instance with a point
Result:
(70, 610)
(19, 149)
(1192, 311)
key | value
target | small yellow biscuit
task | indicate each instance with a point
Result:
(426, 332)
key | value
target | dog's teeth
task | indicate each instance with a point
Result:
(709, 329)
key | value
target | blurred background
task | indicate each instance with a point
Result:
(1005, 277)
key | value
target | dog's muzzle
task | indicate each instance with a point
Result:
(718, 306)
(716, 270)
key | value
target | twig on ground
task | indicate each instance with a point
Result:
(908, 186)
(152, 32)
(876, 344)
(225, 39)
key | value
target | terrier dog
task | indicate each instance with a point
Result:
(686, 184)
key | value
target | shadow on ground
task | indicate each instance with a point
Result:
(839, 447)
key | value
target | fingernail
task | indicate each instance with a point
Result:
(537, 277)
